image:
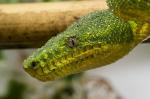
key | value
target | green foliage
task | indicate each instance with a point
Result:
(73, 77)
(68, 90)
(15, 90)
(1, 55)
(64, 93)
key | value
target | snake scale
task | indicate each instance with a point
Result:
(97, 39)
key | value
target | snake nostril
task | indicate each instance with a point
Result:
(33, 64)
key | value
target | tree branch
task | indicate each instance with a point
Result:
(31, 25)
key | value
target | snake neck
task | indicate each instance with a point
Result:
(141, 30)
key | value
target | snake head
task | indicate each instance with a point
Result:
(97, 39)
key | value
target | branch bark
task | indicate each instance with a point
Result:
(31, 25)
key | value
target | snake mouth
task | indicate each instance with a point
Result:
(84, 59)
(81, 60)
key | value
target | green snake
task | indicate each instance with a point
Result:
(97, 39)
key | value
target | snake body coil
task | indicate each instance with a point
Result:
(97, 39)
(131, 9)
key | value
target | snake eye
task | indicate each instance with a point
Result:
(72, 42)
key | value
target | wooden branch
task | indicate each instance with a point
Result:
(31, 25)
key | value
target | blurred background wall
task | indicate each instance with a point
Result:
(130, 75)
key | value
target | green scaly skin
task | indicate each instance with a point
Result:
(136, 12)
(131, 9)
(96, 40)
